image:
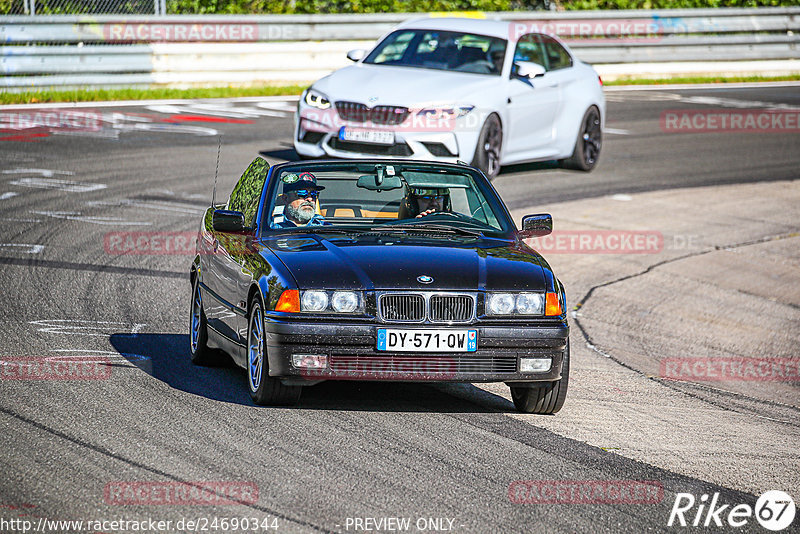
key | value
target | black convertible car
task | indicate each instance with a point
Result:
(377, 270)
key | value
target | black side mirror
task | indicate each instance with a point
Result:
(228, 221)
(537, 225)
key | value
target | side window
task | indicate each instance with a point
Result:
(529, 48)
(557, 55)
(247, 193)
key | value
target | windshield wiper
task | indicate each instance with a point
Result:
(423, 227)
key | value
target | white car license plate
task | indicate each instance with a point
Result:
(444, 340)
(377, 137)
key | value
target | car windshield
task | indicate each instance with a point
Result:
(441, 50)
(392, 197)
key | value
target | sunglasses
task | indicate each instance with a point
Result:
(431, 197)
(305, 193)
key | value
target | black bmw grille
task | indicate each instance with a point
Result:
(355, 112)
(403, 307)
(438, 308)
(451, 308)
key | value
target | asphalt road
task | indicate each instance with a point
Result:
(442, 456)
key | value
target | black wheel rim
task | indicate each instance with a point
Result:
(592, 137)
(491, 147)
(197, 306)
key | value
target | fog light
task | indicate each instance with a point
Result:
(310, 361)
(534, 365)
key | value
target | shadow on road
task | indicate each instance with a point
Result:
(168, 357)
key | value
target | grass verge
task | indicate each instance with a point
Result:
(101, 95)
(703, 79)
(164, 93)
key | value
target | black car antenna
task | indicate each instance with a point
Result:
(214, 191)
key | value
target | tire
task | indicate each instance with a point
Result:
(490, 143)
(588, 144)
(264, 389)
(546, 399)
(199, 351)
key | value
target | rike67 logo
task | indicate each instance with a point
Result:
(774, 510)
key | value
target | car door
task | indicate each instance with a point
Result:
(533, 104)
(226, 273)
(562, 73)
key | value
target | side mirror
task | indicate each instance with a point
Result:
(228, 221)
(357, 55)
(528, 69)
(537, 225)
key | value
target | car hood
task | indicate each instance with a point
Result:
(366, 262)
(411, 87)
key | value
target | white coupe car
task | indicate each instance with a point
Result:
(453, 89)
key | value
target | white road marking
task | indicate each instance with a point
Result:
(101, 134)
(32, 249)
(54, 183)
(616, 131)
(289, 106)
(152, 204)
(682, 86)
(95, 356)
(47, 173)
(6, 196)
(76, 216)
(130, 103)
(622, 198)
(85, 327)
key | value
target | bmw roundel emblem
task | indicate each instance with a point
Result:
(424, 279)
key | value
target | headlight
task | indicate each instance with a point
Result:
(517, 303)
(500, 304)
(317, 100)
(344, 301)
(530, 303)
(314, 301)
(318, 300)
(445, 112)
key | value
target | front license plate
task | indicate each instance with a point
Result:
(377, 137)
(445, 340)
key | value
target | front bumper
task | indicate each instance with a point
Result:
(314, 139)
(351, 351)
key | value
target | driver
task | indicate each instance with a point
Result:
(420, 202)
(300, 193)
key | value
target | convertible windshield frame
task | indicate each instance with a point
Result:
(270, 196)
(412, 58)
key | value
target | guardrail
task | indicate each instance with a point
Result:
(113, 51)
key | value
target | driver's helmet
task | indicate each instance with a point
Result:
(410, 207)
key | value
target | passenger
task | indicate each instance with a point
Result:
(421, 202)
(300, 193)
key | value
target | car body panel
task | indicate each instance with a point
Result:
(260, 263)
(540, 117)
